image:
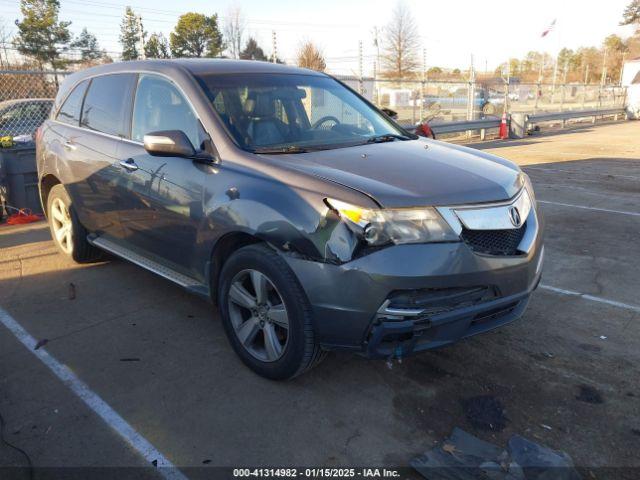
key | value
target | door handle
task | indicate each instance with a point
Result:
(69, 145)
(129, 164)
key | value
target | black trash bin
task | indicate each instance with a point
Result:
(19, 177)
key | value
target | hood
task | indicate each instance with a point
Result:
(406, 174)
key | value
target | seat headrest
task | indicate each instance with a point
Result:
(260, 105)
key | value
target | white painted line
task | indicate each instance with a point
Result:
(94, 402)
(593, 298)
(583, 207)
(555, 170)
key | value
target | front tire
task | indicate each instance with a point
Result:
(67, 232)
(266, 315)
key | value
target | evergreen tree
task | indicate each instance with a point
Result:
(130, 36)
(196, 35)
(87, 43)
(157, 46)
(252, 51)
(41, 35)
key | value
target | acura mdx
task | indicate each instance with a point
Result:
(310, 218)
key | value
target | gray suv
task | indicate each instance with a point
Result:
(309, 217)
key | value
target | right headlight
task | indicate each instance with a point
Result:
(401, 225)
(529, 187)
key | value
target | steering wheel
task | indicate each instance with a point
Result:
(327, 118)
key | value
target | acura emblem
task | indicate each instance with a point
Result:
(514, 216)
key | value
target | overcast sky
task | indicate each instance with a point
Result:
(452, 30)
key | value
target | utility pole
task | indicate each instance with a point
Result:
(423, 82)
(555, 76)
(507, 82)
(376, 96)
(624, 56)
(360, 68)
(471, 91)
(564, 84)
(141, 35)
(586, 74)
(274, 46)
(376, 64)
(603, 78)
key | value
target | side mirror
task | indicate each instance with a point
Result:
(169, 143)
(391, 113)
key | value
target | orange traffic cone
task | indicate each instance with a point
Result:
(503, 132)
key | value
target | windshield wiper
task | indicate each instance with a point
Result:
(387, 137)
(285, 149)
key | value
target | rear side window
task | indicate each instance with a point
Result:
(69, 113)
(106, 105)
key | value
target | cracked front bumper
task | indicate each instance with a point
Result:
(346, 299)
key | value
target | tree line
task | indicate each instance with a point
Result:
(46, 40)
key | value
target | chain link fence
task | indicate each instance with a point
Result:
(26, 98)
(451, 101)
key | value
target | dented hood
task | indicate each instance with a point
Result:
(413, 172)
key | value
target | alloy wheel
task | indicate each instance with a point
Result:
(62, 225)
(258, 315)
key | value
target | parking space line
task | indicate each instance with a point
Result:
(94, 402)
(607, 210)
(593, 298)
(555, 170)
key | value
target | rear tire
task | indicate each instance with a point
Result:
(267, 317)
(67, 232)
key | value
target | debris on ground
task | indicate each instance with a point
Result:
(463, 456)
(485, 412)
(589, 394)
(41, 343)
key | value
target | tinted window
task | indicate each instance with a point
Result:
(105, 106)
(70, 110)
(266, 112)
(159, 105)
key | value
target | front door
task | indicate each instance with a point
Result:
(162, 196)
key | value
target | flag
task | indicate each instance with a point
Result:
(549, 28)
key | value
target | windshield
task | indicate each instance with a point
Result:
(294, 113)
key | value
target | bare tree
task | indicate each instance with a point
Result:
(310, 56)
(5, 37)
(234, 28)
(401, 43)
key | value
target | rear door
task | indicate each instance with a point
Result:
(92, 152)
(163, 195)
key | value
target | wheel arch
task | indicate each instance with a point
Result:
(47, 182)
(222, 250)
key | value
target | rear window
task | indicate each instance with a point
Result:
(69, 113)
(107, 104)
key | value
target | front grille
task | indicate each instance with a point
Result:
(494, 242)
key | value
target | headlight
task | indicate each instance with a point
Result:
(403, 225)
(529, 187)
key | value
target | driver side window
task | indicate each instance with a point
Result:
(159, 105)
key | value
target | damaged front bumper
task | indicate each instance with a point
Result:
(390, 337)
(408, 298)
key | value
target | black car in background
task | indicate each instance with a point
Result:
(23, 116)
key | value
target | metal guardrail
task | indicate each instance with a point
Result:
(463, 126)
(530, 119)
(568, 115)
